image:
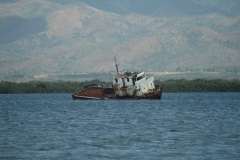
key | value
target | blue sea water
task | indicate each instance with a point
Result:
(179, 126)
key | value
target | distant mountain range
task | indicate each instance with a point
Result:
(83, 36)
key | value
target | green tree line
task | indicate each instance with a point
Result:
(42, 87)
(198, 85)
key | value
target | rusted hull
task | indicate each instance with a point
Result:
(99, 93)
(76, 97)
(154, 95)
(93, 92)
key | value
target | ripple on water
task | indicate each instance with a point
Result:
(180, 126)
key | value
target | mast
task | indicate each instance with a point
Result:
(116, 65)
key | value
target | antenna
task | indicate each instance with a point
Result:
(116, 65)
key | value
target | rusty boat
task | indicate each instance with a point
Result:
(129, 85)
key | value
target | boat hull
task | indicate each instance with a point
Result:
(101, 93)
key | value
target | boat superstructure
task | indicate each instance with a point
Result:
(135, 85)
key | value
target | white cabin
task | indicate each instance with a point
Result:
(133, 84)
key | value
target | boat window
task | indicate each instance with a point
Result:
(128, 79)
(139, 78)
(133, 80)
(123, 81)
(116, 80)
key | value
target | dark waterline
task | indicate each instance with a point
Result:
(180, 126)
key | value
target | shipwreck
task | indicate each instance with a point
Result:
(129, 85)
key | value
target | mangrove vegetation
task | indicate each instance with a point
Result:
(197, 85)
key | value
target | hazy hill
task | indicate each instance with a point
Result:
(171, 8)
(58, 36)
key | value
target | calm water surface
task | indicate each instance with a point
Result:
(180, 126)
